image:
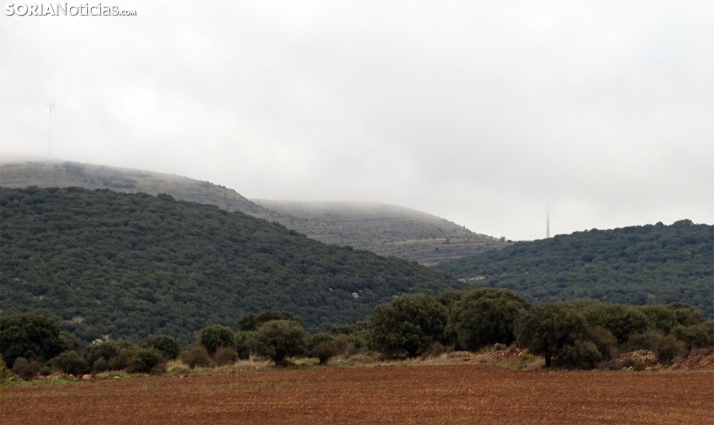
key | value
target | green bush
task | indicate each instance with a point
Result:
(29, 336)
(548, 329)
(68, 342)
(195, 356)
(687, 315)
(112, 351)
(662, 318)
(70, 362)
(251, 322)
(101, 365)
(621, 320)
(32, 369)
(341, 342)
(696, 336)
(26, 370)
(5, 372)
(313, 340)
(279, 339)
(216, 336)
(644, 341)
(106, 350)
(437, 349)
(143, 360)
(408, 325)
(449, 298)
(225, 356)
(581, 355)
(485, 316)
(167, 346)
(45, 371)
(323, 351)
(349, 329)
(120, 361)
(669, 349)
(18, 367)
(243, 344)
(358, 341)
(603, 339)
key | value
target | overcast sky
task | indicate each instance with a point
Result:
(484, 113)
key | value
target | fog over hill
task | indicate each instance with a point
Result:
(89, 176)
(383, 229)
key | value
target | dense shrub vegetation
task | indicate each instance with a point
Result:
(279, 339)
(5, 372)
(131, 265)
(31, 337)
(196, 356)
(579, 334)
(410, 324)
(143, 360)
(71, 362)
(484, 317)
(215, 337)
(251, 322)
(654, 264)
(168, 347)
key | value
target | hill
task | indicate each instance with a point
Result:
(128, 265)
(126, 180)
(633, 265)
(384, 229)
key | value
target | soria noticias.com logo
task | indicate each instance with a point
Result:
(65, 9)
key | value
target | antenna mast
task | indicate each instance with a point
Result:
(51, 107)
(547, 224)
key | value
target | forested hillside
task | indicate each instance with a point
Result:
(634, 265)
(128, 265)
(384, 229)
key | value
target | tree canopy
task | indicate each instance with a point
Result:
(652, 264)
(132, 265)
(32, 337)
(216, 336)
(251, 322)
(279, 339)
(410, 324)
(551, 330)
(485, 316)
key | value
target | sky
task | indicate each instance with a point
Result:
(487, 113)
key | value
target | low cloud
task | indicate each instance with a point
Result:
(484, 113)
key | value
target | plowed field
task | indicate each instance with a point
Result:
(454, 394)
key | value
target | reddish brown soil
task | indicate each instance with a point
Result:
(453, 394)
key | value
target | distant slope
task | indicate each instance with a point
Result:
(384, 229)
(131, 264)
(635, 265)
(88, 176)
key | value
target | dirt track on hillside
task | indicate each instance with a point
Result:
(458, 394)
